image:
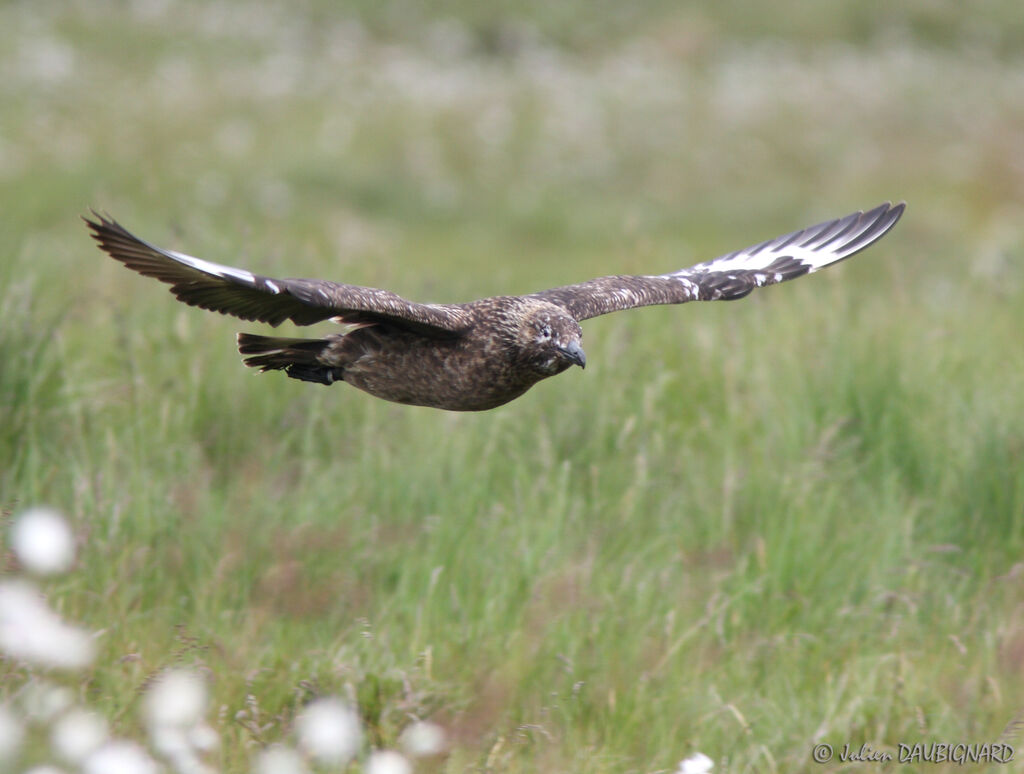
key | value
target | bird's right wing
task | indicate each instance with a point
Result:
(734, 275)
(252, 297)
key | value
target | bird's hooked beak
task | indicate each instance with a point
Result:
(575, 353)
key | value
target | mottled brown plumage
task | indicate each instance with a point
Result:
(465, 357)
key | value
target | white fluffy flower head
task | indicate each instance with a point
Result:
(42, 541)
(423, 739)
(388, 762)
(698, 763)
(177, 699)
(77, 734)
(329, 730)
(31, 631)
(278, 759)
(45, 768)
(11, 733)
(42, 701)
(119, 758)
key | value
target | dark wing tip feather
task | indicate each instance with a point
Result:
(878, 222)
(847, 236)
(839, 238)
(115, 240)
(200, 283)
(249, 296)
(735, 274)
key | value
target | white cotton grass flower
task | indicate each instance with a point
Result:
(698, 763)
(203, 738)
(176, 699)
(42, 541)
(119, 757)
(423, 739)
(174, 708)
(329, 730)
(387, 762)
(182, 758)
(77, 734)
(11, 734)
(170, 741)
(30, 631)
(42, 701)
(278, 759)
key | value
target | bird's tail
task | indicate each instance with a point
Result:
(299, 358)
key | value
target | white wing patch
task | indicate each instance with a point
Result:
(815, 247)
(216, 269)
(746, 261)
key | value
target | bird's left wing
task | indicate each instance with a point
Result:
(251, 297)
(734, 275)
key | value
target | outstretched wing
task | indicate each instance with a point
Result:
(252, 297)
(734, 275)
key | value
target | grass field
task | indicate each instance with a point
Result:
(745, 529)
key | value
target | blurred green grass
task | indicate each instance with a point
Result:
(745, 528)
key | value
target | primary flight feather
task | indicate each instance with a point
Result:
(474, 356)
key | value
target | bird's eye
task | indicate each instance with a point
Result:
(545, 332)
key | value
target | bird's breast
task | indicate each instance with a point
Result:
(459, 374)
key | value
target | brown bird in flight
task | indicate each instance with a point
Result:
(465, 357)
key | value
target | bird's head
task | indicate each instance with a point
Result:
(549, 340)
